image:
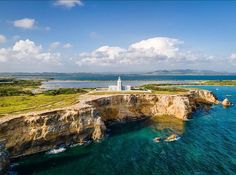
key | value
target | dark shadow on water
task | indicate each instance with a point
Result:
(202, 111)
(127, 127)
(47, 163)
(159, 122)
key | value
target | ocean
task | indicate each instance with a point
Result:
(207, 146)
(104, 80)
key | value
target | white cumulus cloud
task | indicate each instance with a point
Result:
(25, 23)
(146, 52)
(232, 59)
(233, 56)
(27, 51)
(104, 55)
(3, 54)
(68, 3)
(2, 39)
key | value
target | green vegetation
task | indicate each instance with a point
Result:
(3, 80)
(10, 91)
(12, 87)
(16, 97)
(24, 83)
(157, 89)
(26, 103)
(64, 91)
(219, 82)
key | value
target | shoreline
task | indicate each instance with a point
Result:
(53, 83)
(114, 80)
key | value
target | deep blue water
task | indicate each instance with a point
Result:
(207, 146)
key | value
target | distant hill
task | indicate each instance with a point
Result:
(188, 72)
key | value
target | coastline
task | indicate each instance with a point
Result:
(87, 110)
(54, 84)
(87, 119)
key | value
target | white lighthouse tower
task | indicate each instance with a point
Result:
(119, 84)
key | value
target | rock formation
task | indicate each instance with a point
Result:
(35, 132)
(204, 96)
(226, 103)
(99, 129)
(4, 158)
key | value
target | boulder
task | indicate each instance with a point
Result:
(226, 102)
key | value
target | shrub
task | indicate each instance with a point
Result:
(156, 87)
(64, 91)
(13, 91)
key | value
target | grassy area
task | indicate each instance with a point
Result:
(157, 89)
(219, 82)
(22, 104)
(16, 97)
(64, 91)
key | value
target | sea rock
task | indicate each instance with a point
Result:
(226, 102)
(99, 129)
(40, 131)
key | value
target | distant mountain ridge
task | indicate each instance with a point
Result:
(188, 72)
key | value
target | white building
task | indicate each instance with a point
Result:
(119, 86)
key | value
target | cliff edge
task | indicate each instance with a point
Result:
(35, 132)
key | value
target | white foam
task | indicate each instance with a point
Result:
(56, 151)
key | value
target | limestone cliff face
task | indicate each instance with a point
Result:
(122, 107)
(128, 107)
(204, 96)
(30, 133)
(36, 132)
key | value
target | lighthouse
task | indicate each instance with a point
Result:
(119, 84)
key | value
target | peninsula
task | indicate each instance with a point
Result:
(88, 117)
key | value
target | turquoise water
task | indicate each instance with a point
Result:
(207, 146)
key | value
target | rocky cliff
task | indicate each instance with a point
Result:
(36, 132)
(4, 157)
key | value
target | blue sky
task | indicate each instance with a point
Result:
(100, 36)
